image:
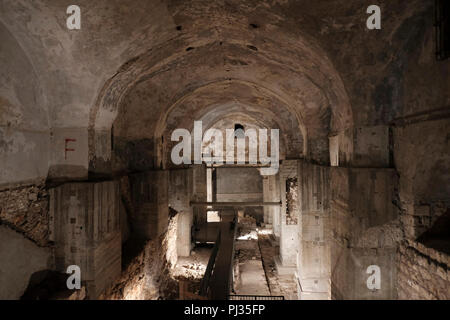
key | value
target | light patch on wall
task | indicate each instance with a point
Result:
(13, 143)
(213, 216)
(9, 113)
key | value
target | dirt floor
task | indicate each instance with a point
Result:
(254, 266)
(251, 279)
(191, 269)
(255, 251)
(280, 285)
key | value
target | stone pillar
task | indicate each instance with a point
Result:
(266, 197)
(149, 192)
(276, 211)
(271, 193)
(85, 228)
(314, 270)
(180, 193)
(366, 232)
(199, 193)
(287, 261)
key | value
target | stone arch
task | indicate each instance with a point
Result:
(317, 93)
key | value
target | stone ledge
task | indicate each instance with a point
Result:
(438, 256)
(283, 269)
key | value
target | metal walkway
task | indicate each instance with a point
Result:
(217, 280)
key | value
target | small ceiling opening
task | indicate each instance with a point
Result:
(239, 131)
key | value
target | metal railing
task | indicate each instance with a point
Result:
(217, 281)
(204, 285)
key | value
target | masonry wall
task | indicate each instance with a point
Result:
(25, 246)
(85, 225)
(422, 159)
(361, 147)
(423, 273)
(25, 210)
(313, 265)
(180, 194)
(149, 275)
(24, 127)
(271, 193)
(289, 231)
(149, 192)
(239, 184)
(365, 231)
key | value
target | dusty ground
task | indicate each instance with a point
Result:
(283, 285)
(254, 270)
(255, 250)
(192, 268)
(252, 278)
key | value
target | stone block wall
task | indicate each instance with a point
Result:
(423, 273)
(85, 226)
(149, 192)
(313, 267)
(25, 210)
(288, 232)
(199, 193)
(271, 193)
(365, 231)
(149, 275)
(180, 194)
(361, 147)
(422, 159)
(25, 245)
(239, 184)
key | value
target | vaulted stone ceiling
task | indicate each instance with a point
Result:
(314, 62)
(102, 102)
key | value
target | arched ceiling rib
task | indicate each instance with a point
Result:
(248, 120)
(297, 80)
(250, 41)
(219, 100)
(155, 88)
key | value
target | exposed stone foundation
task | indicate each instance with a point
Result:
(25, 210)
(423, 273)
(149, 276)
